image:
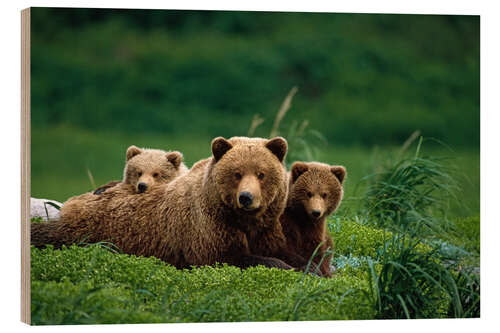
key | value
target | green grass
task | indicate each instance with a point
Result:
(355, 239)
(93, 285)
(467, 233)
(96, 284)
(408, 283)
(411, 194)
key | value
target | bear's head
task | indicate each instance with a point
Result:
(249, 172)
(148, 167)
(315, 189)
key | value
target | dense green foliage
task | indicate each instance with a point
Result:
(359, 240)
(360, 77)
(94, 285)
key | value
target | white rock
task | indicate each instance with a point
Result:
(42, 208)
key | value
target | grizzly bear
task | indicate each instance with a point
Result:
(315, 191)
(144, 168)
(225, 209)
(147, 167)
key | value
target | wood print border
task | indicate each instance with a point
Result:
(25, 165)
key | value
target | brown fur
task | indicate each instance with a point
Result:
(313, 188)
(198, 218)
(149, 167)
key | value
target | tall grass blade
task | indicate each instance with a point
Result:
(285, 106)
(91, 178)
(256, 122)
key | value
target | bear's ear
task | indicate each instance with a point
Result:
(339, 172)
(132, 151)
(175, 158)
(220, 146)
(278, 147)
(298, 168)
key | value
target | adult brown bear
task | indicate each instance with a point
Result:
(225, 209)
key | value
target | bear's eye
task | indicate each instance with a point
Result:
(309, 194)
(323, 195)
(139, 174)
(155, 174)
(261, 176)
(237, 175)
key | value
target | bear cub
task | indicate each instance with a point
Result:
(145, 168)
(315, 191)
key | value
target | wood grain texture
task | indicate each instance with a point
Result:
(25, 165)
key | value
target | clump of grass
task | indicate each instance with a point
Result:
(409, 197)
(409, 193)
(411, 284)
(468, 291)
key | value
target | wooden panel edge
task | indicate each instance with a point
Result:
(25, 165)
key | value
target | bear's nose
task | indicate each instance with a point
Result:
(142, 187)
(316, 213)
(245, 199)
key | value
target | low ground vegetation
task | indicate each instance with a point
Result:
(97, 284)
(94, 285)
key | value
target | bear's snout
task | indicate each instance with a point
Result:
(142, 187)
(315, 207)
(245, 199)
(248, 195)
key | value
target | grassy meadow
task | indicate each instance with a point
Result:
(393, 98)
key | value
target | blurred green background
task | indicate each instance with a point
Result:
(102, 80)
